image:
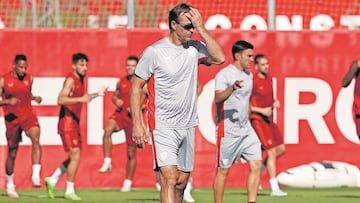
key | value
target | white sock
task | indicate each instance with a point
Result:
(274, 184)
(10, 181)
(107, 160)
(188, 188)
(36, 171)
(69, 187)
(127, 183)
(57, 175)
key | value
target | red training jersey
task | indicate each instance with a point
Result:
(20, 89)
(262, 92)
(71, 110)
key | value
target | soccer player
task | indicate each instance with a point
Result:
(262, 105)
(353, 72)
(121, 119)
(71, 98)
(169, 67)
(15, 90)
(236, 138)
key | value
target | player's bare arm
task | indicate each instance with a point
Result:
(67, 89)
(140, 134)
(266, 111)
(115, 98)
(99, 93)
(222, 95)
(37, 99)
(351, 73)
(64, 95)
(276, 104)
(199, 88)
(216, 53)
(144, 95)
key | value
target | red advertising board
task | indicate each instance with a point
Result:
(307, 68)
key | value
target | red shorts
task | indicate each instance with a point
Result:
(14, 128)
(69, 130)
(123, 121)
(268, 133)
(71, 139)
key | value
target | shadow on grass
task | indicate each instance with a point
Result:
(27, 195)
(342, 196)
(143, 200)
(134, 190)
(245, 193)
(264, 194)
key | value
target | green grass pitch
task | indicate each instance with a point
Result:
(202, 195)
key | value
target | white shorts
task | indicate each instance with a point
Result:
(174, 147)
(234, 147)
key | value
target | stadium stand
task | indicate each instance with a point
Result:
(151, 13)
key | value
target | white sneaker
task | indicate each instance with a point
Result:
(188, 198)
(125, 189)
(36, 182)
(126, 186)
(11, 192)
(106, 167)
(260, 187)
(158, 186)
(278, 193)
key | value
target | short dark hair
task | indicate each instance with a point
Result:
(79, 56)
(258, 57)
(176, 11)
(133, 58)
(19, 57)
(240, 46)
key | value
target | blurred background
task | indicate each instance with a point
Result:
(310, 45)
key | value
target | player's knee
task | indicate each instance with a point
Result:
(222, 172)
(281, 150)
(131, 156)
(180, 186)
(255, 165)
(75, 154)
(35, 143)
(272, 153)
(34, 137)
(75, 159)
(170, 183)
(107, 132)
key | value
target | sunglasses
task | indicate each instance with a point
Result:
(186, 26)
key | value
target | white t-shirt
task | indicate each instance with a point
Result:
(172, 73)
(235, 109)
